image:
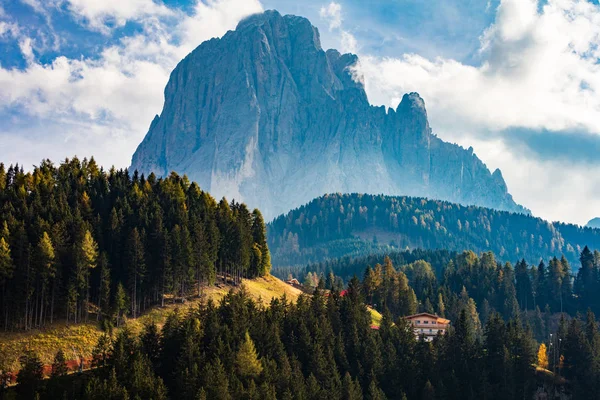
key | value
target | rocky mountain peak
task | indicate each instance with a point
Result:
(412, 101)
(265, 116)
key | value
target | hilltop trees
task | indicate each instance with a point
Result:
(448, 283)
(335, 225)
(76, 239)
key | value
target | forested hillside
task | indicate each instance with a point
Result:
(324, 348)
(355, 224)
(500, 345)
(76, 239)
(438, 281)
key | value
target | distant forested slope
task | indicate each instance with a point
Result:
(336, 225)
(75, 238)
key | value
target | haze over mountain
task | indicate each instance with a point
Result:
(594, 223)
(265, 116)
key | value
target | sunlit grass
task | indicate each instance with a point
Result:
(375, 317)
(75, 340)
(79, 340)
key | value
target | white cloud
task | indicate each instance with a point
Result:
(103, 106)
(554, 190)
(37, 5)
(8, 29)
(27, 50)
(539, 70)
(103, 14)
(333, 14)
(348, 43)
(214, 18)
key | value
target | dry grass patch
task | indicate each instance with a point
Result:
(74, 340)
(80, 339)
(376, 317)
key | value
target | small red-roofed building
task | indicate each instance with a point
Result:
(428, 325)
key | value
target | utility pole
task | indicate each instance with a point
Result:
(553, 353)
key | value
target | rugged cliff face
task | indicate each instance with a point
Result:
(265, 116)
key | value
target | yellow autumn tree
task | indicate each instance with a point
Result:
(247, 362)
(542, 357)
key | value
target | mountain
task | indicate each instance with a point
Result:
(336, 225)
(594, 223)
(265, 116)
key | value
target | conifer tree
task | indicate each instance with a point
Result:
(259, 236)
(375, 393)
(120, 305)
(136, 264)
(104, 296)
(31, 374)
(247, 363)
(351, 389)
(87, 257)
(6, 270)
(428, 392)
(59, 365)
(441, 307)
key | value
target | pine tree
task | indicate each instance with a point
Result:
(524, 286)
(217, 387)
(120, 302)
(586, 282)
(46, 267)
(428, 392)
(375, 393)
(136, 265)
(59, 366)
(6, 270)
(351, 389)
(31, 374)
(104, 297)
(441, 307)
(247, 363)
(259, 236)
(87, 257)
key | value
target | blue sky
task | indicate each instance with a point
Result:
(518, 80)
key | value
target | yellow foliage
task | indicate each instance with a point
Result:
(542, 356)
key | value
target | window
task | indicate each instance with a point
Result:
(418, 322)
(425, 322)
(431, 330)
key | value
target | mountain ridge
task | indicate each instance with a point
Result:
(266, 116)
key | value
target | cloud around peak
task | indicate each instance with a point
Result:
(539, 70)
(110, 96)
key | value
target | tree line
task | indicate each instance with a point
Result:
(76, 241)
(335, 225)
(323, 347)
(442, 282)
